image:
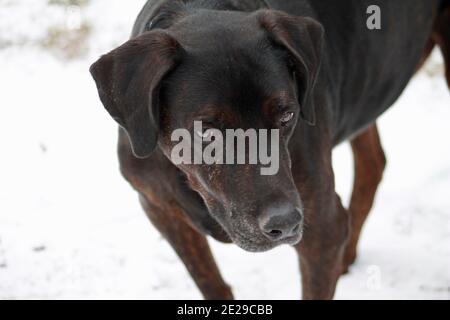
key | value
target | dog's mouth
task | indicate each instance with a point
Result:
(259, 232)
(258, 243)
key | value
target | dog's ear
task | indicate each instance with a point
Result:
(303, 39)
(128, 80)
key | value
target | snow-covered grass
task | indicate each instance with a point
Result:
(71, 227)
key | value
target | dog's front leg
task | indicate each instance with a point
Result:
(191, 247)
(322, 249)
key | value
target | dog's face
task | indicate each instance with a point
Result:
(228, 70)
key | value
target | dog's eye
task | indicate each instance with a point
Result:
(288, 116)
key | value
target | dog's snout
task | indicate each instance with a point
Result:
(279, 223)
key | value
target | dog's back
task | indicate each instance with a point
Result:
(370, 68)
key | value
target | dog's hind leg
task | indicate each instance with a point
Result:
(191, 247)
(441, 36)
(369, 164)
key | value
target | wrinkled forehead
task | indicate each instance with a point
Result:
(229, 44)
(241, 77)
(237, 80)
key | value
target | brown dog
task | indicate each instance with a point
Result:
(310, 69)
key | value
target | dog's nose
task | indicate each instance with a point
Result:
(281, 222)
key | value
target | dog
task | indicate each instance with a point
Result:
(311, 69)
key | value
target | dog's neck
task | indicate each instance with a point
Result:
(167, 13)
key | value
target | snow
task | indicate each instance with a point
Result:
(72, 228)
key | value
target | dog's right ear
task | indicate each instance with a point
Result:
(128, 80)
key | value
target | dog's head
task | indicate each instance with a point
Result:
(229, 70)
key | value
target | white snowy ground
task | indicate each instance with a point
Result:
(71, 227)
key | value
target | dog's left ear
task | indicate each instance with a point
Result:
(128, 81)
(303, 39)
